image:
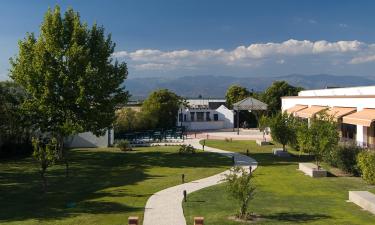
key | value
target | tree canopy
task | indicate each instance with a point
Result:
(272, 95)
(236, 93)
(283, 129)
(72, 83)
(160, 109)
(320, 138)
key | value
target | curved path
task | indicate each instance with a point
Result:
(165, 206)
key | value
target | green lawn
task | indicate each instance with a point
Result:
(106, 185)
(284, 195)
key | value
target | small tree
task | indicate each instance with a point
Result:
(127, 120)
(320, 138)
(283, 129)
(240, 187)
(263, 124)
(45, 154)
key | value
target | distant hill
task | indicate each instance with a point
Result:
(216, 86)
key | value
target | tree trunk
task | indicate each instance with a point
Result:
(44, 179)
(62, 153)
(66, 165)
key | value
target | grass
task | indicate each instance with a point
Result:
(284, 195)
(106, 185)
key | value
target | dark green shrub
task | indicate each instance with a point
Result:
(345, 158)
(186, 149)
(228, 139)
(124, 145)
(366, 164)
(13, 149)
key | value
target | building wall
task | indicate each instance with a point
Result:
(336, 97)
(359, 103)
(225, 119)
(227, 116)
(365, 90)
(209, 125)
(89, 140)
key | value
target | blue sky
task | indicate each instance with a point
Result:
(196, 37)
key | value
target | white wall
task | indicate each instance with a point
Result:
(226, 115)
(89, 140)
(358, 102)
(204, 125)
(365, 90)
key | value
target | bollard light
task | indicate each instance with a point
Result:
(185, 195)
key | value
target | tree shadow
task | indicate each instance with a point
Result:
(296, 217)
(92, 172)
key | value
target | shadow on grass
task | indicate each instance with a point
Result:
(268, 159)
(92, 172)
(296, 217)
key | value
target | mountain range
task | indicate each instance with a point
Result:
(215, 86)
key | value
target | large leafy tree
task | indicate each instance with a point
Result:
(72, 83)
(272, 95)
(15, 127)
(160, 109)
(236, 93)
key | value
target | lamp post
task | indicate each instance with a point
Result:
(238, 121)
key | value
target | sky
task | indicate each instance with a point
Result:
(168, 38)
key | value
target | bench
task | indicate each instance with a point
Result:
(312, 170)
(261, 142)
(280, 152)
(364, 199)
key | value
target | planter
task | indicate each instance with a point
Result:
(364, 199)
(261, 142)
(312, 170)
(280, 153)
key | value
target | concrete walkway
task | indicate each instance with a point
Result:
(165, 207)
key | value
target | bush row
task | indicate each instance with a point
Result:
(354, 159)
(344, 157)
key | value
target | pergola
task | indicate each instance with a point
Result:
(249, 104)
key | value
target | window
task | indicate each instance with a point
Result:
(348, 131)
(184, 117)
(200, 116)
(208, 118)
(216, 117)
(192, 115)
(180, 117)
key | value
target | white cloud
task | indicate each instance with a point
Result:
(362, 59)
(254, 55)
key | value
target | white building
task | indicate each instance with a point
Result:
(205, 114)
(353, 108)
(89, 140)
